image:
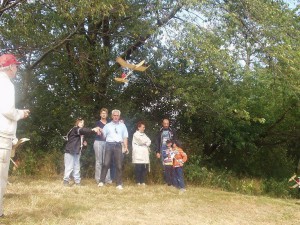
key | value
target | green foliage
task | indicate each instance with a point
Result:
(87, 161)
(228, 181)
(225, 72)
(38, 163)
(276, 188)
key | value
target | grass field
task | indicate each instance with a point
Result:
(47, 201)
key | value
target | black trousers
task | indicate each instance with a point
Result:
(140, 172)
(113, 150)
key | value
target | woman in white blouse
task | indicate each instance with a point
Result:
(140, 153)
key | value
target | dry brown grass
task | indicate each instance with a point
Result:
(44, 201)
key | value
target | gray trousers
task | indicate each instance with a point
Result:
(5, 151)
(72, 167)
(99, 148)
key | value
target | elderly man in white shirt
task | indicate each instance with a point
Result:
(116, 135)
(9, 116)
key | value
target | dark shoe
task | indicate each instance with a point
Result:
(2, 216)
(66, 183)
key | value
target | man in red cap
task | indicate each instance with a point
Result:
(9, 116)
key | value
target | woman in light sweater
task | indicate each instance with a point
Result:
(140, 153)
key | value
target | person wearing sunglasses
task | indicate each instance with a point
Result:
(116, 135)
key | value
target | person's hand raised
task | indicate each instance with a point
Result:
(26, 113)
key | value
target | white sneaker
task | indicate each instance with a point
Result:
(100, 184)
(119, 187)
(143, 184)
(138, 184)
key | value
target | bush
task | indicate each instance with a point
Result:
(228, 181)
(38, 163)
(275, 188)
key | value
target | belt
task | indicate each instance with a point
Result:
(113, 143)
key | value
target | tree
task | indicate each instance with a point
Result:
(225, 72)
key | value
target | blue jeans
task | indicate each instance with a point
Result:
(178, 177)
(140, 172)
(113, 150)
(169, 174)
(72, 166)
(99, 148)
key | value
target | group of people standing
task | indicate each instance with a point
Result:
(110, 145)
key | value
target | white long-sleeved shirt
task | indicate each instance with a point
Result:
(140, 148)
(9, 115)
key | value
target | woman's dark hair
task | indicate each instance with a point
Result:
(140, 123)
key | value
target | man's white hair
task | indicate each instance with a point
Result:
(117, 111)
(5, 68)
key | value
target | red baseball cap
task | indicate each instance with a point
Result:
(7, 60)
